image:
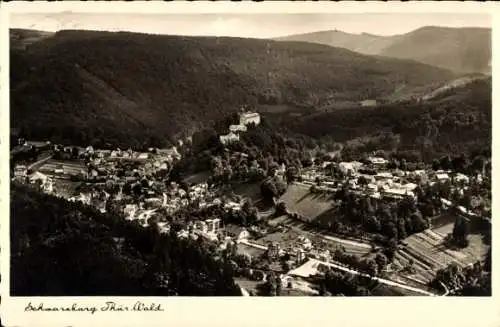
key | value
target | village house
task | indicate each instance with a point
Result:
(397, 193)
(213, 225)
(461, 178)
(383, 176)
(442, 176)
(130, 210)
(229, 138)
(20, 171)
(232, 206)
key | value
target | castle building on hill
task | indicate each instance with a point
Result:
(249, 117)
(229, 138)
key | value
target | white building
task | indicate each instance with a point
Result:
(20, 171)
(249, 117)
(397, 193)
(350, 167)
(441, 177)
(462, 178)
(237, 128)
(229, 138)
(377, 161)
(213, 225)
(383, 176)
(130, 210)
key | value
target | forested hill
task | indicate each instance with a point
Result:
(457, 121)
(60, 248)
(458, 49)
(130, 89)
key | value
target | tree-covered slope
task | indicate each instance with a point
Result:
(60, 248)
(134, 89)
(456, 121)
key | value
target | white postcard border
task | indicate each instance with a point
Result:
(247, 311)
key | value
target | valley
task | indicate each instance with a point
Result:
(318, 164)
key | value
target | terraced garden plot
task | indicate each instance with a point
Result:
(429, 253)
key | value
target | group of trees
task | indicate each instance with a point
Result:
(335, 283)
(392, 220)
(474, 280)
(61, 248)
(460, 232)
(372, 267)
(273, 285)
(272, 189)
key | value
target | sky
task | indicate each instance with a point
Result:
(247, 25)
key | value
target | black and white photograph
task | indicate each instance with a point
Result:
(250, 154)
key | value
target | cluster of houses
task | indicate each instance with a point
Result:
(380, 182)
(245, 118)
(105, 186)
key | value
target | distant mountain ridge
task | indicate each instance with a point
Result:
(130, 89)
(464, 50)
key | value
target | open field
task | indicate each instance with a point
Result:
(429, 253)
(309, 206)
